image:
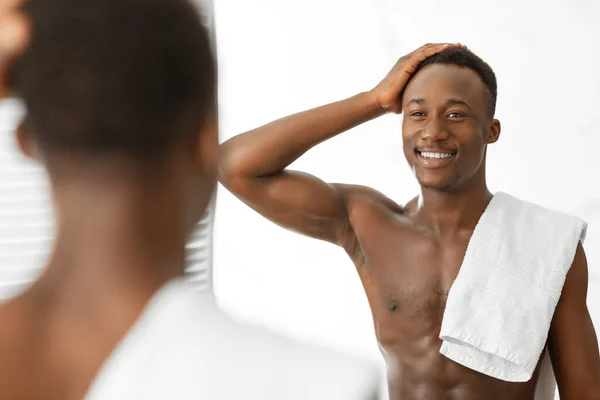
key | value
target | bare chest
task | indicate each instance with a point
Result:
(407, 273)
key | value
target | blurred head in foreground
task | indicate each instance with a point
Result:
(120, 98)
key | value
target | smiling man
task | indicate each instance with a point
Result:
(408, 257)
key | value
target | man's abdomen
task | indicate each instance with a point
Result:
(419, 372)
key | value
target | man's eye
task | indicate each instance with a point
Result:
(417, 114)
(455, 115)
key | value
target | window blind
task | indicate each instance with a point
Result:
(26, 224)
(200, 247)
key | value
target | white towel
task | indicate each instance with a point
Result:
(501, 304)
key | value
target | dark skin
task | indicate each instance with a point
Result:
(408, 257)
(55, 337)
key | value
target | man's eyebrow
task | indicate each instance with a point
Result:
(454, 102)
(416, 101)
(449, 102)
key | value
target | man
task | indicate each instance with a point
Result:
(408, 257)
(121, 111)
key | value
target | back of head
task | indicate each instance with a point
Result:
(124, 78)
(465, 58)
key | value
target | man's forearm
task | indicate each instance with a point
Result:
(271, 148)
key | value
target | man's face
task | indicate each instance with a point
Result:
(446, 125)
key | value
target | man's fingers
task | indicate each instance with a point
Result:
(420, 49)
(425, 52)
(14, 35)
(411, 64)
(429, 46)
(430, 51)
(7, 6)
(439, 47)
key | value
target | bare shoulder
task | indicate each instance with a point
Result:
(12, 361)
(13, 327)
(361, 196)
(367, 209)
(9, 324)
(576, 282)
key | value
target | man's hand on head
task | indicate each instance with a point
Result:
(389, 90)
(14, 36)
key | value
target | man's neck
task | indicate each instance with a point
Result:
(448, 212)
(113, 250)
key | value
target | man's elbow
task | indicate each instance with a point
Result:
(236, 164)
(226, 173)
(229, 166)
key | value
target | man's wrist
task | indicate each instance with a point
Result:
(373, 103)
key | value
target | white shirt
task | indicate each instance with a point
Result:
(183, 347)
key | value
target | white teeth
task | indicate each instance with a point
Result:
(427, 154)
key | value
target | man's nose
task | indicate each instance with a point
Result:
(435, 131)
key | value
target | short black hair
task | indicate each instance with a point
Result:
(465, 58)
(127, 77)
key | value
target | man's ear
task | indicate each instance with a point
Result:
(207, 146)
(26, 142)
(493, 132)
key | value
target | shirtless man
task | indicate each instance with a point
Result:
(408, 257)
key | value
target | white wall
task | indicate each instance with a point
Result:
(279, 57)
